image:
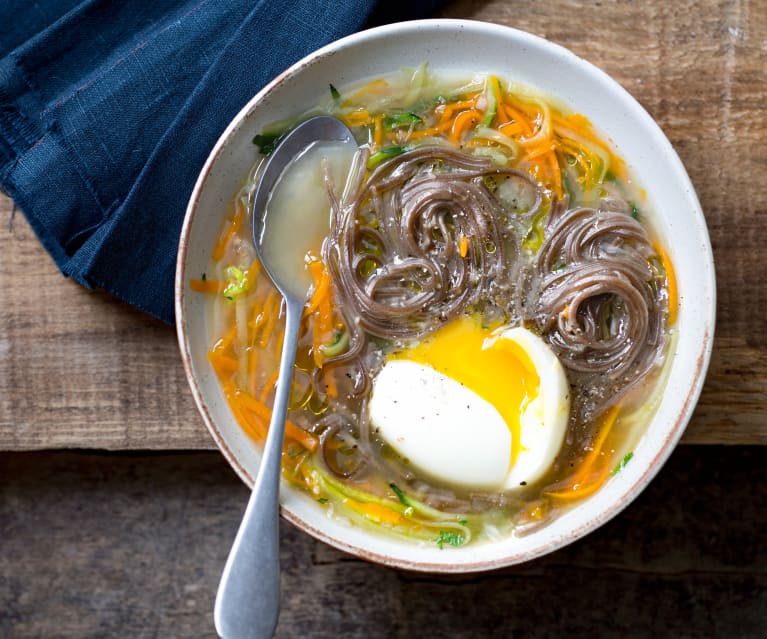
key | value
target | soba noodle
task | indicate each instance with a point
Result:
(523, 217)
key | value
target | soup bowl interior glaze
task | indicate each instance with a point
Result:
(471, 47)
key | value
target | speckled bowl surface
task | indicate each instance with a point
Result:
(455, 45)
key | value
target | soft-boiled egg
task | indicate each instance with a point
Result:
(474, 408)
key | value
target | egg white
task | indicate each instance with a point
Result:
(543, 422)
(441, 427)
(454, 436)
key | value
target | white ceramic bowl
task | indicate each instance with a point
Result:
(471, 46)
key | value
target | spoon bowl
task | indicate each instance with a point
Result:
(248, 599)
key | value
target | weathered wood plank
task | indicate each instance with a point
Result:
(79, 369)
(96, 545)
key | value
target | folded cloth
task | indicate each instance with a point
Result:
(109, 109)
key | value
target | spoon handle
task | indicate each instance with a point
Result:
(248, 598)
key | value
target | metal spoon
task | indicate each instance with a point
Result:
(248, 598)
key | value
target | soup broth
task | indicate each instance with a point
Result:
(489, 315)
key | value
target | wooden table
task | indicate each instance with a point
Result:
(79, 369)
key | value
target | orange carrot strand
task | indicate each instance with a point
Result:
(222, 364)
(462, 123)
(272, 312)
(671, 286)
(262, 411)
(206, 286)
(592, 471)
(229, 232)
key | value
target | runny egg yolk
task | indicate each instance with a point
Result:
(498, 370)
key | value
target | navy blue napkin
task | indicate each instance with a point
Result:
(109, 109)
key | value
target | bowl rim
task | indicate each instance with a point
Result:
(672, 434)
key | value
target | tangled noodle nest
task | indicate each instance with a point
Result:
(423, 238)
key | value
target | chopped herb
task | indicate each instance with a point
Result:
(463, 522)
(323, 500)
(400, 495)
(449, 537)
(236, 283)
(334, 93)
(634, 211)
(384, 154)
(622, 464)
(610, 176)
(267, 142)
(401, 119)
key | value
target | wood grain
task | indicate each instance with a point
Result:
(79, 369)
(133, 546)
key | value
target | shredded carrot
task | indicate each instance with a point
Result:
(593, 470)
(321, 278)
(565, 126)
(252, 370)
(262, 411)
(320, 305)
(555, 174)
(249, 423)
(271, 312)
(578, 124)
(253, 426)
(360, 117)
(374, 512)
(226, 341)
(310, 478)
(322, 329)
(462, 123)
(292, 464)
(546, 147)
(512, 128)
(252, 274)
(520, 118)
(503, 116)
(206, 286)
(229, 232)
(673, 298)
(374, 87)
(378, 131)
(222, 364)
(269, 386)
(577, 152)
(446, 111)
(463, 246)
(432, 131)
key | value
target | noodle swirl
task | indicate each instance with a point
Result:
(599, 300)
(395, 252)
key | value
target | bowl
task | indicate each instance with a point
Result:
(456, 45)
